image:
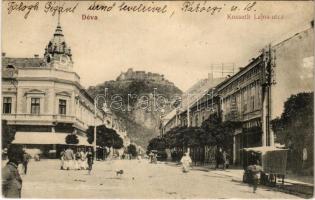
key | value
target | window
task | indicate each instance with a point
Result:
(7, 104)
(62, 107)
(196, 121)
(35, 105)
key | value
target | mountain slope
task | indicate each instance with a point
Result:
(139, 103)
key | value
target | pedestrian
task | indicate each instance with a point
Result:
(154, 158)
(151, 156)
(11, 179)
(255, 174)
(186, 162)
(90, 158)
(62, 159)
(224, 159)
(218, 157)
(4, 153)
(68, 158)
(77, 161)
(26, 159)
(83, 164)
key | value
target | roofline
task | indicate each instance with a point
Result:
(252, 64)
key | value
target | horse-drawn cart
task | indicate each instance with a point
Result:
(272, 161)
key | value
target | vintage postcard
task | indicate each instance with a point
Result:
(157, 99)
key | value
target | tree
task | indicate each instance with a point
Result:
(106, 137)
(118, 142)
(157, 143)
(72, 139)
(295, 128)
(219, 133)
(132, 149)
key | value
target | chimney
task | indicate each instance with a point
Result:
(36, 56)
(3, 54)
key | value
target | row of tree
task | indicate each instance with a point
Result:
(213, 132)
(295, 129)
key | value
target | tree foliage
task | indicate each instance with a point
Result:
(105, 137)
(295, 127)
(219, 133)
(157, 143)
(213, 132)
(132, 149)
(72, 139)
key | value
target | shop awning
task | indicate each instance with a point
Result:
(264, 149)
(45, 138)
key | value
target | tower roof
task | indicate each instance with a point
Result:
(57, 45)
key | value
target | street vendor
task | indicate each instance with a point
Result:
(255, 173)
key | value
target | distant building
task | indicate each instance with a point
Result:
(131, 75)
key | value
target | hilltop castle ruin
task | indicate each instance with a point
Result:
(131, 75)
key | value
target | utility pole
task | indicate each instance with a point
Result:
(272, 65)
(188, 111)
(94, 144)
(268, 135)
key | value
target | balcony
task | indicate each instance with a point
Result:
(41, 119)
(28, 119)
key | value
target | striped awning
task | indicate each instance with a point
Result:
(45, 138)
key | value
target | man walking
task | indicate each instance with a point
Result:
(26, 159)
(218, 157)
(11, 179)
(90, 158)
(224, 159)
(68, 158)
(255, 172)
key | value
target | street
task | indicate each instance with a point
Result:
(140, 180)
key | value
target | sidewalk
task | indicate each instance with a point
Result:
(290, 186)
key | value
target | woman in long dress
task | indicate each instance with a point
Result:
(83, 165)
(90, 158)
(186, 162)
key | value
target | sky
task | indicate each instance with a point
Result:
(182, 45)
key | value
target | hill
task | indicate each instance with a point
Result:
(139, 103)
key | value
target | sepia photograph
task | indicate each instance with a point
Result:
(157, 99)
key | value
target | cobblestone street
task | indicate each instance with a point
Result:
(140, 180)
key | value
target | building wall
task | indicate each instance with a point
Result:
(79, 109)
(293, 68)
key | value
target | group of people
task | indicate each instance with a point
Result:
(80, 160)
(153, 157)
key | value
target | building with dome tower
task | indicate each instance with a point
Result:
(43, 100)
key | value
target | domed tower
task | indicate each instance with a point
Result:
(57, 53)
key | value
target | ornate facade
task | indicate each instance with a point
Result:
(43, 99)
